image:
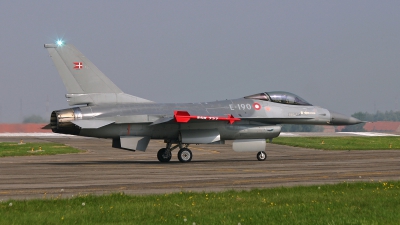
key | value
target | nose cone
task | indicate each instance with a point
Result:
(340, 119)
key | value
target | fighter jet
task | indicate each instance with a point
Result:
(100, 109)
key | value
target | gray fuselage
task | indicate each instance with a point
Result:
(140, 119)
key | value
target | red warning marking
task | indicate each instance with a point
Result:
(184, 117)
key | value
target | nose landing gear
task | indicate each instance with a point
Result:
(261, 156)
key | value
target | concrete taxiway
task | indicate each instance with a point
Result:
(102, 169)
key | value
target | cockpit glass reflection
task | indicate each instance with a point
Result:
(260, 96)
(286, 98)
(279, 97)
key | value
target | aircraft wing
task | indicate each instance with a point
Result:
(162, 120)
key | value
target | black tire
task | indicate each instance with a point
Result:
(185, 155)
(261, 156)
(161, 157)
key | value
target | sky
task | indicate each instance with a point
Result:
(340, 55)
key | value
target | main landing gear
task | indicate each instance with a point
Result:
(261, 156)
(184, 154)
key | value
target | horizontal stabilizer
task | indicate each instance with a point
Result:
(184, 117)
(91, 124)
(47, 127)
(131, 143)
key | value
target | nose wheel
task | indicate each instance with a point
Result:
(261, 156)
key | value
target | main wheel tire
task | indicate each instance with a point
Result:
(185, 155)
(162, 157)
(261, 156)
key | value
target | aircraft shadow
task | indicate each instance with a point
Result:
(150, 162)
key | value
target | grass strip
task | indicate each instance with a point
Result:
(341, 143)
(344, 203)
(17, 149)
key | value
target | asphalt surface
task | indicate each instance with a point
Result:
(101, 169)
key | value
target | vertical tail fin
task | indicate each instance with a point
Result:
(84, 82)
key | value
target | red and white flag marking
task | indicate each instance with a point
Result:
(78, 65)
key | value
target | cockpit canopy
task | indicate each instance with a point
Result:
(279, 97)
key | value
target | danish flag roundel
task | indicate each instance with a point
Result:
(78, 65)
(256, 106)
